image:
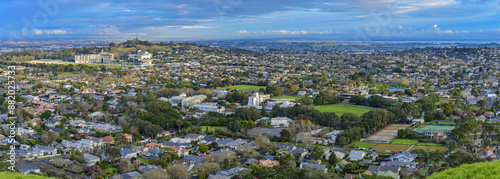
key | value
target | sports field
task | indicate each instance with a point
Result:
(434, 129)
(440, 148)
(365, 145)
(387, 134)
(405, 141)
(391, 147)
(245, 87)
(341, 108)
(289, 97)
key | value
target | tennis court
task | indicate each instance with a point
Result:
(387, 134)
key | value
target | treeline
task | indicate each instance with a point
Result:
(326, 98)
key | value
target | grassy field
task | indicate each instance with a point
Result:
(365, 145)
(440, 148)
(211, 128)
(10, 175)
(429, 144)
(391, 147)
(289, 97)
(405, 141)
(476, 170)
(340, 109)
(245, 87)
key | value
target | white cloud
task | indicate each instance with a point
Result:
(300, 32)
(49, 32)
(242, 32)
(195, 27)
(38, 32)
(435, 29)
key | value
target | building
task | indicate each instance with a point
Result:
(141, 55)
(210, 107)
(94, 58)
(356, 155)
(197, 99)
(256, 99)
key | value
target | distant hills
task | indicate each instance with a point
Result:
(326, 44)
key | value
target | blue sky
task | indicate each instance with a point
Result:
(257, 19)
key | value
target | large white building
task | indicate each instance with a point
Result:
(256, 99)
(141, 55)
(94, 58)
(210, 107)
(197, 99)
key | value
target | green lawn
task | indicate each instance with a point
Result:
(365, 145)
(110, 169)
(341, 108)
(245, 87)
(289, 97)
(210, 128)
(404, 141)
(144, 160)
(433, 148)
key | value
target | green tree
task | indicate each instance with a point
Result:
(332, 160)
(203, 148)
(317, 152)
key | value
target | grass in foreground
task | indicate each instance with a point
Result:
(10, 175)
(341, 108)
(365, 145)
(440, 148)
(405, 141)
(476, 170)
(391, 147)
(245, 87)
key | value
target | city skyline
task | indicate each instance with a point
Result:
(236, 19)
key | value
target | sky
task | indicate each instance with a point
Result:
(163, 20)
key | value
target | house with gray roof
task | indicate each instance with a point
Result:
(356, 155)
(321, 167)
(194, 160)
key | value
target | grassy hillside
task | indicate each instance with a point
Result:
(10, 175)
(476, 170)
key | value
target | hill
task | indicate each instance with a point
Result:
(325, 44)
(476, 170)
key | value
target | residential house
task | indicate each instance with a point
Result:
(356, 155)
(193, 160)
(321, 167)
(180, 151)
(269, 163)
(91, 159)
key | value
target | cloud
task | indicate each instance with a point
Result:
(436, 29)
(242, 32)
(301, 32)
(49, 32)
